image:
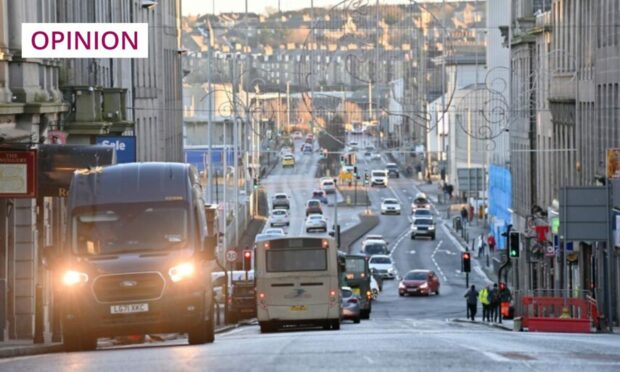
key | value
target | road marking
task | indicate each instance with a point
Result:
(477, 267)
(412, 251)
(368, 359)
(435, 262)
(402, 236)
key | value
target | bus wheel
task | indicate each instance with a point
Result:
(266, 327)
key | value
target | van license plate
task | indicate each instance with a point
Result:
(129, 308)
(298, 308)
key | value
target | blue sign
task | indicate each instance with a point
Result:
(569, 246)
(125, 147)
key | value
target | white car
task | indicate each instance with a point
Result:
(354, 146)
(378, 177)
(374, 246)
(375, 156)
(383, 266)
(316, 222)
(328, 185)
(275, 231)
(422, 213)
(279, 217)
(297, 135)
(390, 206)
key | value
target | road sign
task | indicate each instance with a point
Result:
(231, 255)
(584, 213)
(549, 250)
(470, 179)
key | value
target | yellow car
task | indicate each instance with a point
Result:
(288, 161)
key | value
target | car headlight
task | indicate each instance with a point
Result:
(390, 270)
(431, 227)
(401, 285)
(71, 278)
(424, 285)
(182, 271)
(414, 227)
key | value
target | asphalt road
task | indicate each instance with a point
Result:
(403, 334)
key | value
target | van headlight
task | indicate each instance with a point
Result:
(182, 271)
(71, 278)
(431, 227)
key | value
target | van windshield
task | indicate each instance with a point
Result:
(136, 227)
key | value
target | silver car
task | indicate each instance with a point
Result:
(350, 305)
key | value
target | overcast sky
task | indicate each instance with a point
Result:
(258, 6)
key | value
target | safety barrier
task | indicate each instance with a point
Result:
(558, 314)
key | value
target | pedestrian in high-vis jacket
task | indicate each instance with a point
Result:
(472, 302)
(483, 296)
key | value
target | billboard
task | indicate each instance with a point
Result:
(125, 147)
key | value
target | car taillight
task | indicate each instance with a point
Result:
(352, 301)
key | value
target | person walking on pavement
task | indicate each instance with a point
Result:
(491, 243)
(472, 302)
(495, 298)
(464, 215)
(483, 296)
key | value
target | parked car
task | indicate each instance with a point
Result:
(383, 266)
(372, 247)
(328, 185)
(422, 282)
(378, 177)
(288, 161)
(392, 170)
(313, 206)
(350, 305)
(280, 201)
(279, 217)
(316, 222)
(390, 206)
(320, 195)
(422, 213)
(423, 227)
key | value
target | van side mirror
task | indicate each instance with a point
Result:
(332, 233)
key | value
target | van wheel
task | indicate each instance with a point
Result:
(266, 327)
(365, 314)
(336, 324)
(204, 332)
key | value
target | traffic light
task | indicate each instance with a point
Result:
(466, 262)
(366, 177)
(247, 259)
(256, 183)
(355, 171)
(514, 245)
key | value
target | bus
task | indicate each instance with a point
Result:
(357, 276)
(297, 283)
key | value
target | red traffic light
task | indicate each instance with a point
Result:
(247, 254)
(466, 256)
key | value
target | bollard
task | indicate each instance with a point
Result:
(38, 315)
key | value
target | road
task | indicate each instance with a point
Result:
(403, 334)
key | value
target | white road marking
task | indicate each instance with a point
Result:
(477, 267)
(412, 251)
(368, 359)
(400, 238)
(445, 279)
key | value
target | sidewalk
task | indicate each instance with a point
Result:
(506, 324)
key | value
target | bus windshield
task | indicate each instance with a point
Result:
(356, 265)
(136, 227)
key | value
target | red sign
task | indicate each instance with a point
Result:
(18, 173)
(57, 137)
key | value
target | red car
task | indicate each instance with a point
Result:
(422, 282)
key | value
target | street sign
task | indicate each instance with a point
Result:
(125, 147)
(18, 173)
(231, 255)
(470, 179)
(584, 212)
(549, 250)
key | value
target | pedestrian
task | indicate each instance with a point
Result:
(464, 214)
(450, 189)
(495, 302)
(480, 246)
(472, 302)
(491, 243)
(483, 296)
(470, 214)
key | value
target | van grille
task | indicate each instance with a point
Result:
(128, 287)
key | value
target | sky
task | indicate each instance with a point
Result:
(258, 6)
